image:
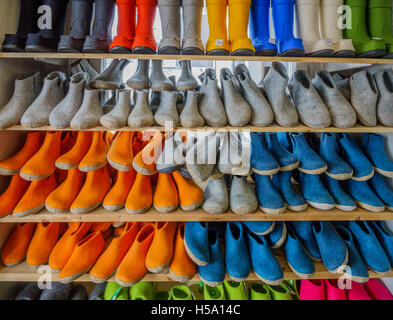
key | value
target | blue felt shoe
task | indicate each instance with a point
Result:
(369, 247)
(293, 199)
(354, 156)
(315, 192)
(337, 168)
(277, 237)
(384, 193)
(260, 227)
(213, 273)
(357, 269)
(269, 199)
(237, 259)
(332, 248)
(364, 196)
(263, 261)
(196, 242)
(374, 147)
(261, 159)
(305, 234)
(342, 200)
(286, 159)
(384, 237)
(297, 259)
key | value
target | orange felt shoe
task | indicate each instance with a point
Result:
(166, 198)
(181, 268)
(95, 188)
(160, 252)
(107, 263)
(83, 257)
(133, 267)
(190, 195)
(64, 247)
(60, 200)
(120, 153)
(117, 196)
(67, 141)
(34, 198)
(118, 231)
(44, 240)
(96, 158)
(12, 165)
(15, 247)
(42, 164)
(140, 198)
(145, 161)
(12, 195)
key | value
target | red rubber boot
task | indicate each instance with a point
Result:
(144, 41)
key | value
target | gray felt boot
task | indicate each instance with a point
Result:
(190, 116)
(167, 111)
(141, 115)
(171, 157)
(210, 104)
(117, 118)
(90, 112)
(140, 79)
(310, 107)
(158, 80)
(170, 26)
(155, 100)
(192, 24)
(343, 85)
(59, 291)
(262, 113)
(341, 111)
(78, 292)
(237, 108)
(62, 114)
(216, 198)
(37, 115)
(112, 77)
(186, 80)
(27, 88)
(364, 97)
(384, 80)
(242, 196)
(274, 84)
(30, 292)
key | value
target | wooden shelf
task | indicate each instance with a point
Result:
(101, 215)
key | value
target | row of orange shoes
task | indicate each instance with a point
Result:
(127, 250)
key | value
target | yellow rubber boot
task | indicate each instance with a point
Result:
(239, 11)
(218, 43)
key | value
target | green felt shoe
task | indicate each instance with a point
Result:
(292, 286)
(280, 292)
(181, 293)
(142, 291)
(259, 291)
(113, 291)
(163, 295)
(235, 290)
(214, 293)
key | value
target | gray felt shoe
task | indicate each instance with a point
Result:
(141, 115)
(274, 84)
(117, 118)
(341, 111)
(190, 116)
(262, 113)
(237, 108)
(112, 77)
(216, 198)
(186, 80)
(171, 157)
(90, 112)
(155, 100)
(343, 85)
(140, 79)
(310, 107)
(192, 25)
(158, 80)
(37, 115)
(59, 291)
(62, 114)
(364, 97)
(170, 26)
(384, 80)
(27, 88)
(242, 196)
(167, 111)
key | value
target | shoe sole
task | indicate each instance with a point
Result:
(244, 210)
(192, 207)
(92, 167)
(142, 170)
(33, 177)
(127, 284)
(137, 211)
(271, 228)
(118, 166)
(75, 276)
(211, 283)
(340, 268)
(115, 207)
(363, 178)
(290, 167)
(280, 242)
(65, 166)
(236, 279)
(270, 282)
(14, 263)
(266, 172)
(100, 84)
(179, 278)
(388, 174)
(84, 209)
(111, 125)
(273, 211)
(165, 209)
(163, 268)
(297, 208)
(341, 176)
(316, 171)
(370, 207)
(101, 280)
(56, 210)
(8, 172)
(192, 257)
(321, 206)
(389, 208)
(299, 274)
(136, 86)
(345, 208)
(29, 212)
(214, 210)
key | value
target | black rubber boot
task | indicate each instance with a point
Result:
(47, 40)
(27, 24)
(100, 38)
(80, 26)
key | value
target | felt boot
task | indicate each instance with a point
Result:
(141, 114)
(140, 198)
(287, 160)
(171, 157)
(333, 292)
(192, 25)
(218, 43)
(158, 80)
(90, 112)
(293, 199)
(196, 242)
(190, 195)
(120, 153)
(216, 196)
(377, 290)
(259, 291)
(78, 292)
(144, 41)
(364, 196)
(261, 159)
(142, 291)
(29, 292)
(305, 233)
(384, 80)
(117, 117)
(373, 146)
(342, 200)
(190, 116)
(186, 80)
(166, 114)
(242, 197)
(384, 237)
(59, 291)
(312, 290)
(140, 79)
(277, 237)
(384, 193)
(166, 198)
(315, 192)
(117, 195)
(96, 156)
(112, 77)
(12, 195)
(145, 161)
(270, 202)
(170, 26)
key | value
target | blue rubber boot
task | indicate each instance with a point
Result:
(283, 13)
(293, 199)
(269, 199)
(305, 234)
(259, 227)
(277, 237)
(364, 196)
(374, 147)
(261, 159)
(384, 237)
(259, 28)
(315, 192)
(384, 193)
(342, 200)
(196, 242)
(286, 159)
(337, 168)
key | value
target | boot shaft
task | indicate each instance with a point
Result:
(146, 16)
(307, 18)
(103, 18)
(126, 21)
(28, 17)
(259, 17)
(331, 26)
(358, 32)
(283, 18)
(379, 20)
(192, 18)
(81, 17)
(58, 15)
(239, 12)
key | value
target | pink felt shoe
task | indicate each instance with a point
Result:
(377, 291)
(358, 292)
(333, 292)
(312, 290)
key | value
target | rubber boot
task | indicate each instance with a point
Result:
(239, 12)
(365, 46)
(192, 24)
(81, 11)
(122, 42)
(170, 26)
(144, 41)
(259, 28)
(218, 43)
(283, 16)
(307, 13)
(27, 24)
(100, 38)
(328, 12)
(379, 22)
(47, 40)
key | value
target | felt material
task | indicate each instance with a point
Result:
(190, 195)
(96, 156)
(116, 198)
(144, 162)
(98, 291)
(277, 237)
(261, 159)
(190, 116)
(333, 292)
(234, 153)
(287, 160)
(140, 79)
(358, 292)
(89, 114)
(166, 114)
(217, 42)
(170, 24)
(342, 200)
(117, 117)
(112, 77)
(30, 292)
(364, 196)
(162, 295)
(59, 291)
(280, 292)
(192, 25)
(384, 80)
(120, 154)
(384, 237)
(269, 198)
(305, 233)
(242, 197)
(312, 289)
(259, 291)
(181, 293)
(78, 292)
(158, 80)
(214, 293)
(12, 195)
(235, 290)
(259, 227)
(293, 199)
(140, 197)
(216, 197)
(114, 291)
(186, 81)
(196, 242)
(141, 114)
(315, 192)
(382, 190)
(144, 41)
(142, 290)
(373, 146)
(377, 290)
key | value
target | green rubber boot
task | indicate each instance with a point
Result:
(379, 20)
(280, 292)
(113, 291)
(365, 47)
(181, 293)
(142, 291)
(214, 293)
(259, 291)
(235, 290)
(163, 295)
